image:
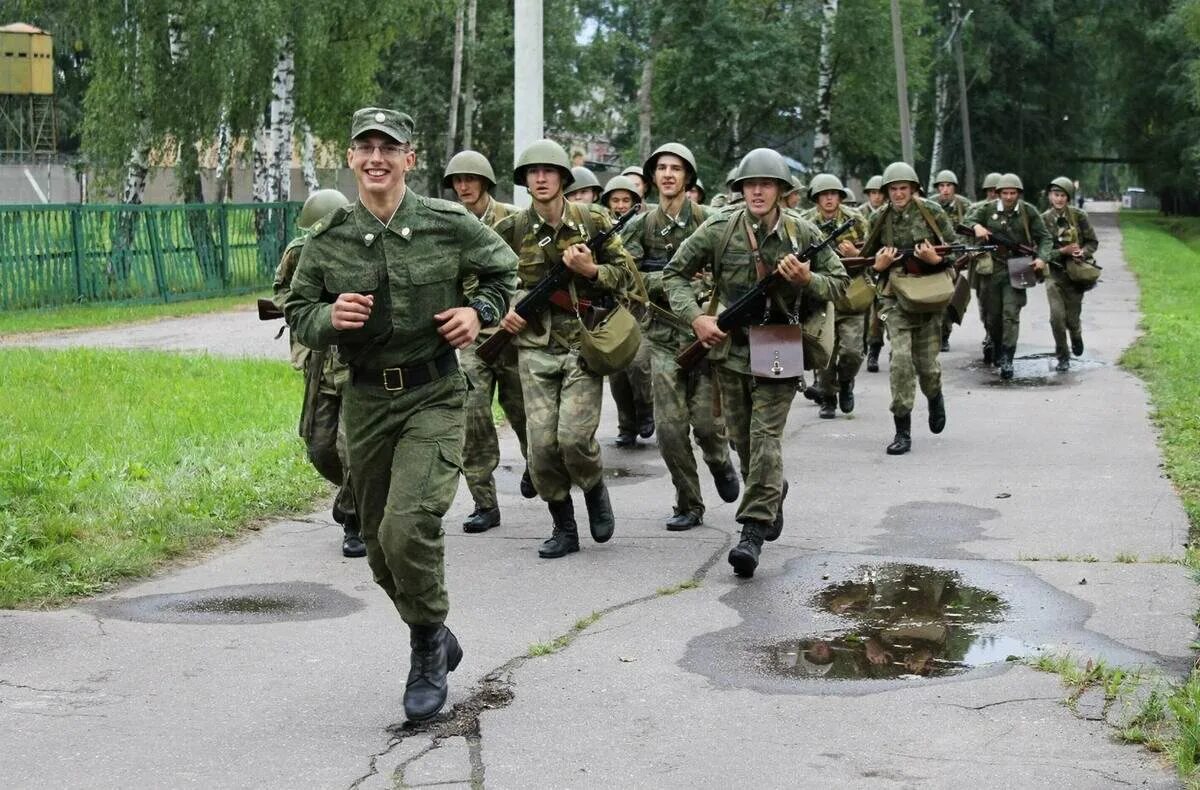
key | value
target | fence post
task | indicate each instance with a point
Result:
(78, 250)
(223, 214)
(160, 279)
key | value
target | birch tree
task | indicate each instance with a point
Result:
(941, 109)
(308, 163)
(822, 138)
(456, 67)
(468, 132)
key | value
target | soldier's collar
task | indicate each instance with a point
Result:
(776, 229)
(371, 227)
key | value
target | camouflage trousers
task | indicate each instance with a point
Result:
(1066, 305)
(874, 325)
(847, 353)
(324, 436)
(756, 412)
(481, 448)
(405, 451)
(633, 392)
(916, 339)
(1001, 305)
(562, 412)
(684, 400)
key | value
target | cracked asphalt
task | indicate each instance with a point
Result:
(1029, 483)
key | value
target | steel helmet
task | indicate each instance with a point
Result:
(468, 163)
(1009, 181)
(318, 204)
(945, 177)
(620, 182)
(897, 172)
(700, 186)
(543, 152)
(874, 183)
(1065, 184)
(582, 178)
(634, 170)
(763, 163)
(989, 181)
(730, 177)
(826, 182)
(851, 198)
(675, 149)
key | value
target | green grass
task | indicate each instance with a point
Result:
(112, 462)
(1164, 253)
(94, 315)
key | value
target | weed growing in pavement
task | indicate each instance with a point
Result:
(560, 642)
(686, 584)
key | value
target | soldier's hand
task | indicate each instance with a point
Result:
(1070, 249)
(794, 270)
(1039, 265)
(981, 232)
(885, 258)
(847, 249)
(513, 323)
(351, 311)
(578, 258)
(706, 330)
(927, 253)
(459, 325)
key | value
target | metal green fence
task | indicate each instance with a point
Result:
(55, 255)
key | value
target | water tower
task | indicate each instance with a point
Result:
(28, 126)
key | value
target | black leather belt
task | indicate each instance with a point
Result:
(396, 379)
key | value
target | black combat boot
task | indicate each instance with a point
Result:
(527, 489)
(482, 519)
(1077, 343)
(600, 515)
(988, 355)
(937, 413)
(813, 394)
(352, 542)
(726, 479)
(744, 556)
(1006, 362)
(646, 425)
(565, 538)
(828, 407)
(846, 396)
(681, 522)
(775, 529)
(903, 441)
(1064, 363)
(435, 654)
(626, 439)
(873, 357)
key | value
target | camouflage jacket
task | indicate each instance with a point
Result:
(906, 228)
(857, 232)
(1071, 225)
(414, 267)
(530, 236)
(654, 237)
(333, 373)
(735, 273)
(496, 211)
(1022, 222)
(956, 208)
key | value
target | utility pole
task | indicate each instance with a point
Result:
(527, 77)
(906, 143)
(958, 25)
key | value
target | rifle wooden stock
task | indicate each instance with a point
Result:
(268, 311)
(909, 252)
(1001, 238)
(535, 302)
(738, 313)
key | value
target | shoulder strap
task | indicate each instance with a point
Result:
(718, 253)
(928, 217)
(873, 236)
(520, 227)
(1025, 221)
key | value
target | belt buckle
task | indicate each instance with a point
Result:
(388, 379)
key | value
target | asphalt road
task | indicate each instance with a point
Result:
(274, 662)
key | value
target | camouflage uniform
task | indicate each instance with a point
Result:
(849, 327)
(320, 423)
(562, 398)
(1001, 303)
(1071, 225)
(481, 448)
(756, 409)
(681, 398)
(404, 441)
(914, 337)
(956, 209)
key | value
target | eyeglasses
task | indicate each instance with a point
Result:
(388, 150)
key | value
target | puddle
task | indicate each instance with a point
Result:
(1036, 370)
(235, 605)
(911, 621)
(629, 474)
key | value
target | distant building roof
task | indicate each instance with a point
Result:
(21, 27)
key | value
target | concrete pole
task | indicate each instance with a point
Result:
(527, 79)
(906, 142)
(968, 154)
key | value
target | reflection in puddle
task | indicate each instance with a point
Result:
(1036, 370)
(912, 621)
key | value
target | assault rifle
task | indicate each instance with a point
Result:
(268, 311)
(1001, 238)
(909, 255)
(535, 302)
(742, 312)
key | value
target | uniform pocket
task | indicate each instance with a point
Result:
(441, 477)
(341, 281)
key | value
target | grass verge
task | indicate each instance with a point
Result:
(1164, 253)
(85, 316)
(115, 461)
